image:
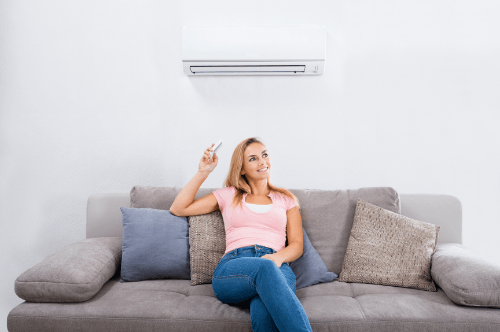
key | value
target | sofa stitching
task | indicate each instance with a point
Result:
(357, 302)
(178, 306)
(110, 261)
(352, 291)
(371, 321)
(360, 308)
(126, 318)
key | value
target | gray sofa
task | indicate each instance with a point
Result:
(175, 305)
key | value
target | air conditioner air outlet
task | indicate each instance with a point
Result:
(247, 69)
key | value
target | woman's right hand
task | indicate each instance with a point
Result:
(206, 164)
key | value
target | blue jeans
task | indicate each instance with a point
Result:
(242, 275)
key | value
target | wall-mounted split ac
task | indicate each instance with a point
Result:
(254, 50)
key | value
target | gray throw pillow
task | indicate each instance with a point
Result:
(74, 273)
(309, 269)
(464, 277)
(155, 245)
(386, 248)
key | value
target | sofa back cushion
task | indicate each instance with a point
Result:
(327, 215)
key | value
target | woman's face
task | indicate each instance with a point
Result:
(256, 158)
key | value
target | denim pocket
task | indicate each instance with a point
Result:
(224, 259)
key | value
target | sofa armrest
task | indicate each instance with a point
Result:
(464, 277)
(74, 273)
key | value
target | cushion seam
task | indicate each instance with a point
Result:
(218, 321)
(125, 318)
(360, 308)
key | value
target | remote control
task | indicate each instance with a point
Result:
(215, 148)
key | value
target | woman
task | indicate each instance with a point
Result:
(258, 219)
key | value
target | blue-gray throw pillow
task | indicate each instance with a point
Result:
(155, 245)
(309, 268)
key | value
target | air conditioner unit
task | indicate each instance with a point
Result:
(254, 50)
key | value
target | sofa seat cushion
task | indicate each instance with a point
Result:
(175, 305)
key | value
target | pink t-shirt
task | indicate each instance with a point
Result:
(246, 227)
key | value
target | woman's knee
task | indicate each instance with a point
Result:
(233, 289)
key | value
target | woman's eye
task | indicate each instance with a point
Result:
(254, 158)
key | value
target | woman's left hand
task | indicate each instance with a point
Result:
(275, 258)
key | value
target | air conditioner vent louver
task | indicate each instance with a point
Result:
(247, 69)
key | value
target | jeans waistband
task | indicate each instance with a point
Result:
(256, 247)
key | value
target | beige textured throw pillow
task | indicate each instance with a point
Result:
(386, 248)
(207, 244)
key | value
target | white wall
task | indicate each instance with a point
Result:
(93, 100)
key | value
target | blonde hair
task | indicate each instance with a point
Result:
(240, 182)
